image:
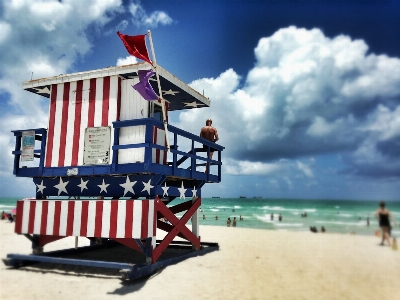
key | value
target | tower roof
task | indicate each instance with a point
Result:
(177, 93)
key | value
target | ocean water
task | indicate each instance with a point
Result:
(337, 216)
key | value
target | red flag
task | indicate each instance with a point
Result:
(136, 46)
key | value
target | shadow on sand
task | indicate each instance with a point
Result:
(120, 254)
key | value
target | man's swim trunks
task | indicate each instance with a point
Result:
(205, 147)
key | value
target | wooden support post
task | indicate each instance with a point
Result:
(159, 91)
(179, 227)
(195, 220)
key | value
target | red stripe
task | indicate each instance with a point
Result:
(52, 118)
(92, 102)
(155, 217)
(43, 223)
(77, 123)
(118, 99)
(113, 219)
(98, 219)
(106, 99)
(129, 219)
(145, 219)
(57, 214)
(64, 124)
(31, 221)
(70, 218)
(84, 217)
(20, 212)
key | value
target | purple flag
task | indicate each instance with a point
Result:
(143, 86)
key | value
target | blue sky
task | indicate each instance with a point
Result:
(305, 94)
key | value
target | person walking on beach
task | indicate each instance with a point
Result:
(209, 133)
(234, 222)
(384, 216)
(228, 222)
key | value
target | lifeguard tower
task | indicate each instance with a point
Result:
(102, 169)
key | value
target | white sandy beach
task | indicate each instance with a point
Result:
(251, 264)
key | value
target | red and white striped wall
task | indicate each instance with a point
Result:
(96, 102)
(74, 106)
(87, 218)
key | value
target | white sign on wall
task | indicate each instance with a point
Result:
(28, 145)
(97, 146)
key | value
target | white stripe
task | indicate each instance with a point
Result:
(137, 219)
(25, 220)
(38, 217)
(112, 107)
(76, 230)
(105, 221)
(160, 140)
(63, 218)
(150, 218)
(99, 102)
(132, 106)
(48, 126)
(129, 101)
(91, 218)
(70, 124)
(50, 217)
(113, 97)
(133, 215)
(57, 125)
(121, 218)
(84, 119)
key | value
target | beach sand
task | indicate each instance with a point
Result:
(251, 264)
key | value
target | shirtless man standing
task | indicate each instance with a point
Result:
(209, 133)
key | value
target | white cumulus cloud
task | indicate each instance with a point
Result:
(307, 95)
(126, 61)
(140, 16)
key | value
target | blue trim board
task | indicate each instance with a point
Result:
(131, 186)
(128, 271)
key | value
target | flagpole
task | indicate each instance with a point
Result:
(159, 90)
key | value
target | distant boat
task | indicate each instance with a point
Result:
(242, 197)
(215, 197)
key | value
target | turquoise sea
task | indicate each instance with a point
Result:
(337, 216)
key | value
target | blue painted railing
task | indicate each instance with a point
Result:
(173, 168)
(40, 135)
